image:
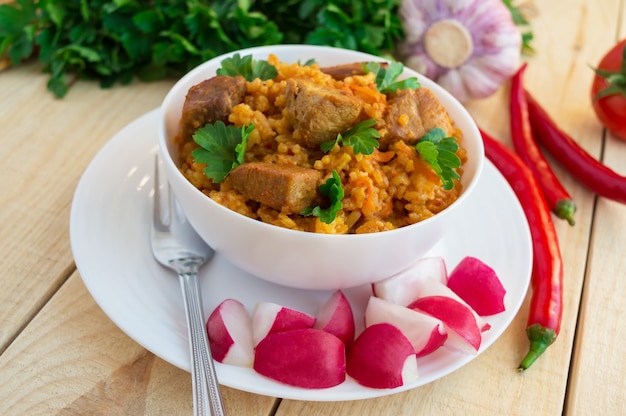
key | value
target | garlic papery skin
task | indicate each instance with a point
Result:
(469, 47)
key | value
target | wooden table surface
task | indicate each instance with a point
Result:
(61, 355)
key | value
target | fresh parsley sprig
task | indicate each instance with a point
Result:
(222, 148)
(362, 137)
(333, 190)
(523, 25)
(247, 67)
(115, 41)
(387, 78)
(439, 151)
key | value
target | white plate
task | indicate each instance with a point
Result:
(109, 234)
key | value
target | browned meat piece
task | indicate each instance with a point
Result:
(318, 113)
(286, 188)
(210, 101)
(340, 72)
(412, 113)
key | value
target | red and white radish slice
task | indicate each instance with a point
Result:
(270, 317)
(478, 285)
(335, 316)
(404, 287)
(432, 287)
(463, 332)
(229, 328)
(425, 332)
(308, 358)
(382, 357)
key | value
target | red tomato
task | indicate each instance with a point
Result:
(611, 109)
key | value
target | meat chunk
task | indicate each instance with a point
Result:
(412, 113)
(340, 72)
(209, 101)
(318, 113)
(286, 188)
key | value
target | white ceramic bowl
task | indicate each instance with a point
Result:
(302, 259)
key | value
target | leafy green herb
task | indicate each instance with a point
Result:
(18, 25)
(247, 67)
(362, 137)
(523, 24)
(371, 26)
(439, 152)
(115, 41)
(222, 148)
(386, 78)
(308, 62)
(333, 190)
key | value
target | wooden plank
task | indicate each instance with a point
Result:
(597, 383)
(87, 364)
(34, 203)
(71, 360)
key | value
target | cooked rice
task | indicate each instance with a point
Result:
(383, 191)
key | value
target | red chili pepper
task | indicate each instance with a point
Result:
(559, 200)
(589, 171)
(546, 304)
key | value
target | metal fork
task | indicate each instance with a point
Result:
(176, 245)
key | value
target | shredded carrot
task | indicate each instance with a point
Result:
(369, 95)
(383, 157)
(371, 198)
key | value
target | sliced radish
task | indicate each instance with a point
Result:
(308, 358)
(335, 316)
(425, 332)
(270, 317)
(404, 287)
(382, 357)
(463, 332)
(478, 285)
(432, 287)
(229, 328)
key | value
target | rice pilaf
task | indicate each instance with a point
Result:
(391, 188)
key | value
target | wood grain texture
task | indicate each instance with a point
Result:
(60, 355)
(598, 381)
(72, 360)
(44, 159)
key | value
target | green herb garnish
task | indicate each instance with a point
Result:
(523, 25)
(247, 67)
(308, 62)
(386, 78)
(333, 190)
(115, 41)
(362, 137)
(222, 148)
(439, 152)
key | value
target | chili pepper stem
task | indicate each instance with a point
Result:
(540, 339)
(565, 209)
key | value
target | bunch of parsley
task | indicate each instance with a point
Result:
(119, 40)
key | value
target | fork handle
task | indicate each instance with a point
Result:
(204, 379)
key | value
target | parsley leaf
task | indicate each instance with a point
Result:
(362, 137)
(439, 152)
(371, 26)
(333, 190)
(523, 25)
(386, 78)
(308, 62)
(247, 67)
(222, 148)
(156, 39)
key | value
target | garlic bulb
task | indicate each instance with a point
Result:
(469, 47)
